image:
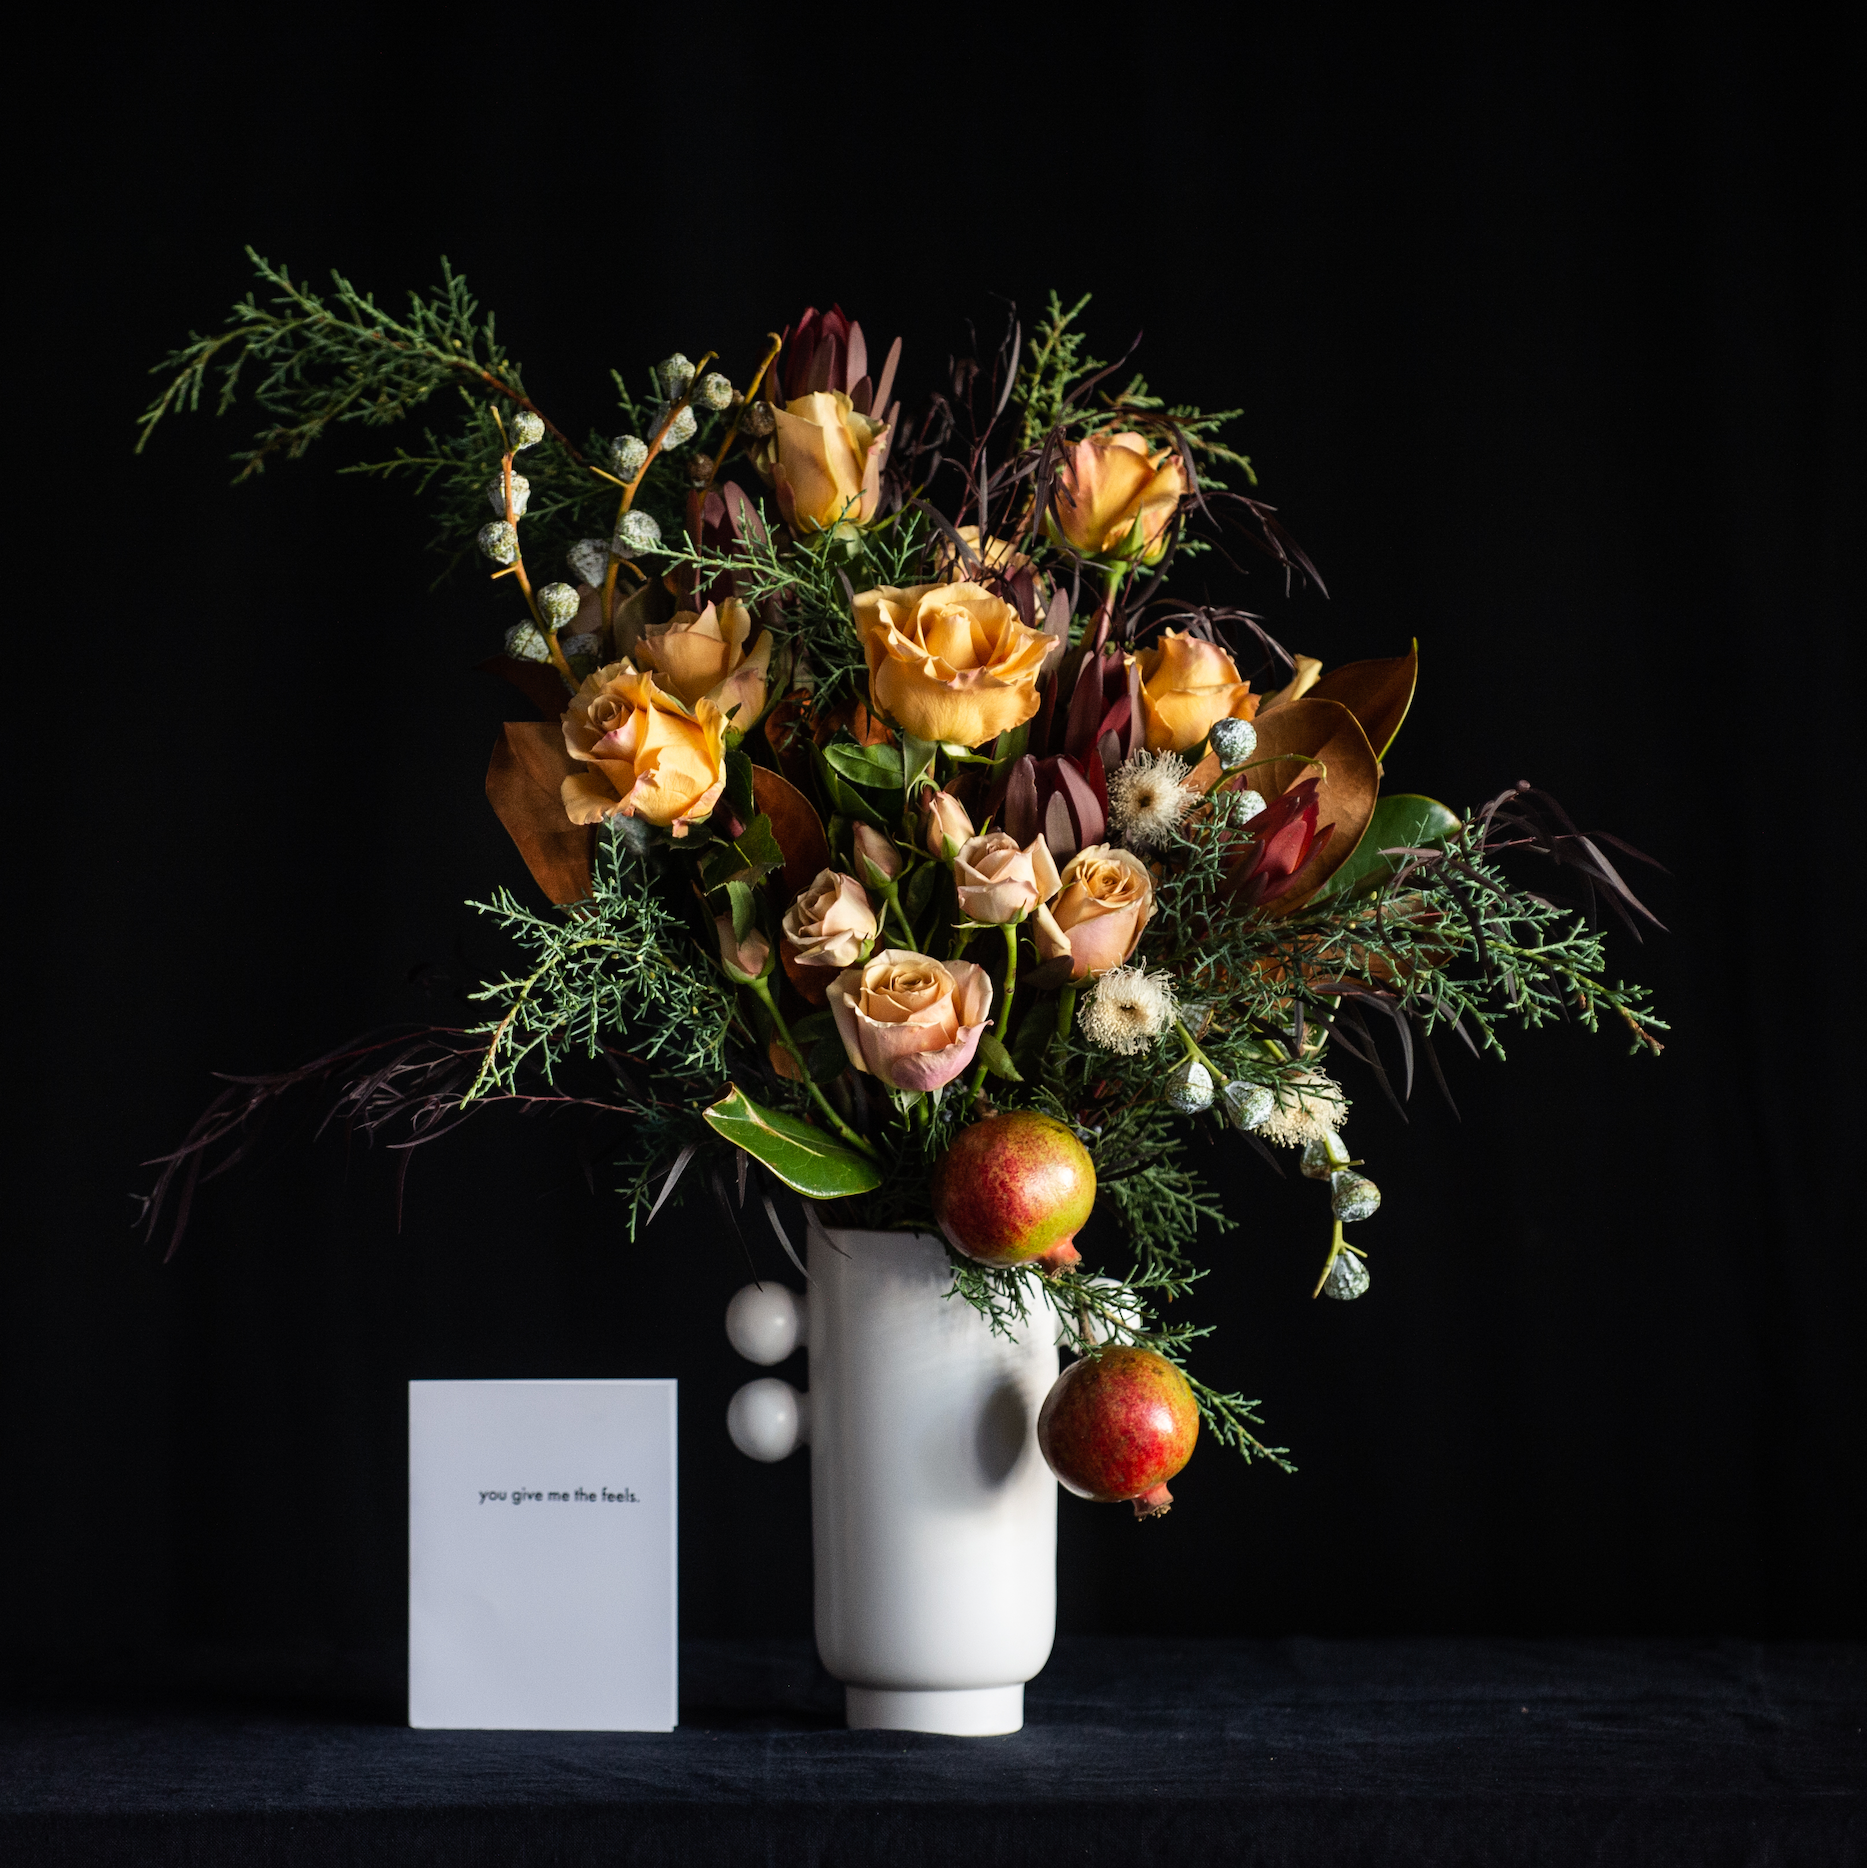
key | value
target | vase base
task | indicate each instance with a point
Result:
(963, 1712)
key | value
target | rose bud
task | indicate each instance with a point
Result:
(950, 662)
(744, 960)
(831, 923)
(704, 653)
(1186, 686)
(824, 462)
(1000, 883)
(909, 1020)
(648, 756)
(944, 825)
(876, 856)
(1106, 899)
(1114, 500)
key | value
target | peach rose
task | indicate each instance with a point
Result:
(950, 661)
(649, 756)
(1115, 500)
(909, 1020)
(831, 923)
(824, 462)
(1187, 684)
(944, 825)
(1000, 883)
(1106, 899)
(703, 654)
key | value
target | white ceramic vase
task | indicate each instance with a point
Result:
(933, 1514)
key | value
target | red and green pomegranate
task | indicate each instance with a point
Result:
(1118, 1425)
(1014, 1189)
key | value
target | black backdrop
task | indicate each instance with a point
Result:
(1545, 356)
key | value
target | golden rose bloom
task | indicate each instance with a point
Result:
(1107, 898)
(831, 923)
(1187, 684)
(1115, 500)
(704, 655)
(825, 462)
(950, 661)
(909, 1020)
(649, 756)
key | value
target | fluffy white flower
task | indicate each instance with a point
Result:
(1129, 1009)
(1148, 796)
(1310, 1105)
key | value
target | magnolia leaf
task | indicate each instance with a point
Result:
(1378, 694)
(805, 1159)
(997, 1058)
(795, 824)
(1318, 739)
(1401, 822)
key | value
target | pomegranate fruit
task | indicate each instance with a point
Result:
(1013, 1189)
(1118, 1425)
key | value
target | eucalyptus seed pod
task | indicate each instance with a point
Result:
(715, 391)
(636, 533)
(757, 420)
(1347, 1279)
(499, 541)
(589, 560)
(1234, 741)
(682, 429)
(674, 374)
(584, 648)
(699, 470)
(1250, 803)
(1189, 1089)
(525, 644)
(521, 492)
(628, 454)
(557, 603)
(1353, 1197)
(1247, 1104)
(1322, 1157)
(526, 429)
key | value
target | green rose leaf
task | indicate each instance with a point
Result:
(997, 1058)
(805, 1159)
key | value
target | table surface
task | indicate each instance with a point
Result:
(1170, 1751)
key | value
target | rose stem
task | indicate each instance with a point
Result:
(634, 486)
(1066, 1014)
(816, 1095)
(1004, 1007)
(517, 568)
(891, 894)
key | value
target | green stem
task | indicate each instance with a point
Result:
(1066, 1017)
(1335, 1252)
(891, 894)
(1010, 932)
(816, 1095)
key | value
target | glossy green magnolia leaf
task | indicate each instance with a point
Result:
(805, 1159)
(1403, 821)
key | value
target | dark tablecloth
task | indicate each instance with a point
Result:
(1178, 1752)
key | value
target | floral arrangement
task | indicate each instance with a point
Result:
(893, 812)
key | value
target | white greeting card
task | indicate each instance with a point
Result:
(541, 1555)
